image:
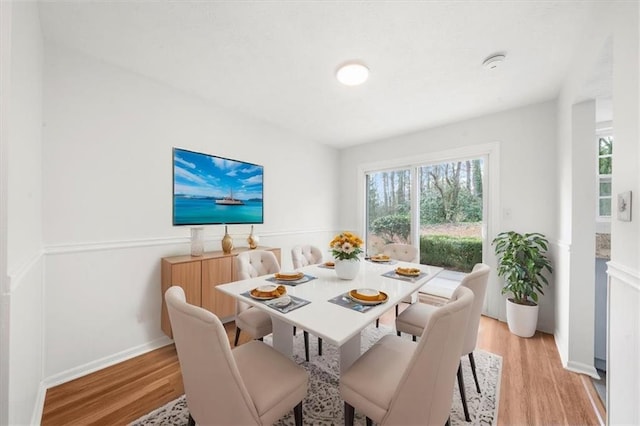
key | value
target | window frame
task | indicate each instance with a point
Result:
(605, 132)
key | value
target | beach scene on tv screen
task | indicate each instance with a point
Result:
(212, 190)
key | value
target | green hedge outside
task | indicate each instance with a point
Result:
(457, 253)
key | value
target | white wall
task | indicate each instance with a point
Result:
(526, 139)
(623, 373)
(619, 20)
(108, 144)
(22, 289)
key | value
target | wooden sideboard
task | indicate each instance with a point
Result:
(199, 276)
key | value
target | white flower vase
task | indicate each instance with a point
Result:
(347, 269)
(197, 241)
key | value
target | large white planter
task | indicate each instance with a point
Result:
(522, 319)
(347, 269)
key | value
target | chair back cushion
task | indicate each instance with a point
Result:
(305, 255)
(425, 392)
(476, 281)
(251, 264)
(213, 386)
(404, 252)
(255, 263)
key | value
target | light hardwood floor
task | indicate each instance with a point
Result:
(535, 389)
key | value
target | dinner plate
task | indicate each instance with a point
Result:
(380, 259)
(382, 297)
(263, 295)
(408, 272)
(289, 276)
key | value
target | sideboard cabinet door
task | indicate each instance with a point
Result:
(216, 272)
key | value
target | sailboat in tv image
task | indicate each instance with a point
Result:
(230, 201)
(209, 190)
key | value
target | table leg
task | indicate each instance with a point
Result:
(349, 353)
(282, 337)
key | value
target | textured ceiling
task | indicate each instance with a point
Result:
(275, 60)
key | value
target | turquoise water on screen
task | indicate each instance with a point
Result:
(199, 211)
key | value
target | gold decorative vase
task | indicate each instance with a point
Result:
(252, 240)
(227, 242)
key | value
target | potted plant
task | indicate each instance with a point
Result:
(345, 248)
(522, 262)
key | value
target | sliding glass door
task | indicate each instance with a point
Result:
(437, 207)
(388, 208)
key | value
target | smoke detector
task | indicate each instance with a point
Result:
(493, 62)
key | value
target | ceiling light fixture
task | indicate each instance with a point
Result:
(352, 74)
(493, 62)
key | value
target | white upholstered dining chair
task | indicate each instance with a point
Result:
(301, 256)
(401, 382)
(252, 384)
(413, 319)
(305, 255)
(251, 264)
(405, 253)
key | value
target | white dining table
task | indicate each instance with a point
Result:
(335, 324)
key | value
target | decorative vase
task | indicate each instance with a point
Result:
(347, 269)
(197, 242)
(252, 240)
(522, 319)
(227, 242)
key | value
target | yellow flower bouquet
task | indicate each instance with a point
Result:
(346, 246)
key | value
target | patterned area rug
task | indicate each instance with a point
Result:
(323, 405)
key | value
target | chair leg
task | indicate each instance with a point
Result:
(413, 338)
(235, 342)
(369, 422)
(191, 421)
(319, 346)
(306, 345)
(398, 333)
(463, 396)
(396, 311)
(378, 323)
(349, 413)
(472, 361)
(294, 330)
(297, 414)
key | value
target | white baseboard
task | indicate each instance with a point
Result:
(105, 362)
(38, 408)
(578, 367)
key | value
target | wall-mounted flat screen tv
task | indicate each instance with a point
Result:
(209, 190)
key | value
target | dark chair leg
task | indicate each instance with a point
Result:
(378, 323)
(396, 311)
(261, 339)
(306, 345)
(413, 338)
(472, 361)
(297, 414)
(463, 396)
(369, 422)
(191, 421)
(294, 330)
(319, 346)
(349, 413)
(398, 333)
(235, 342)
